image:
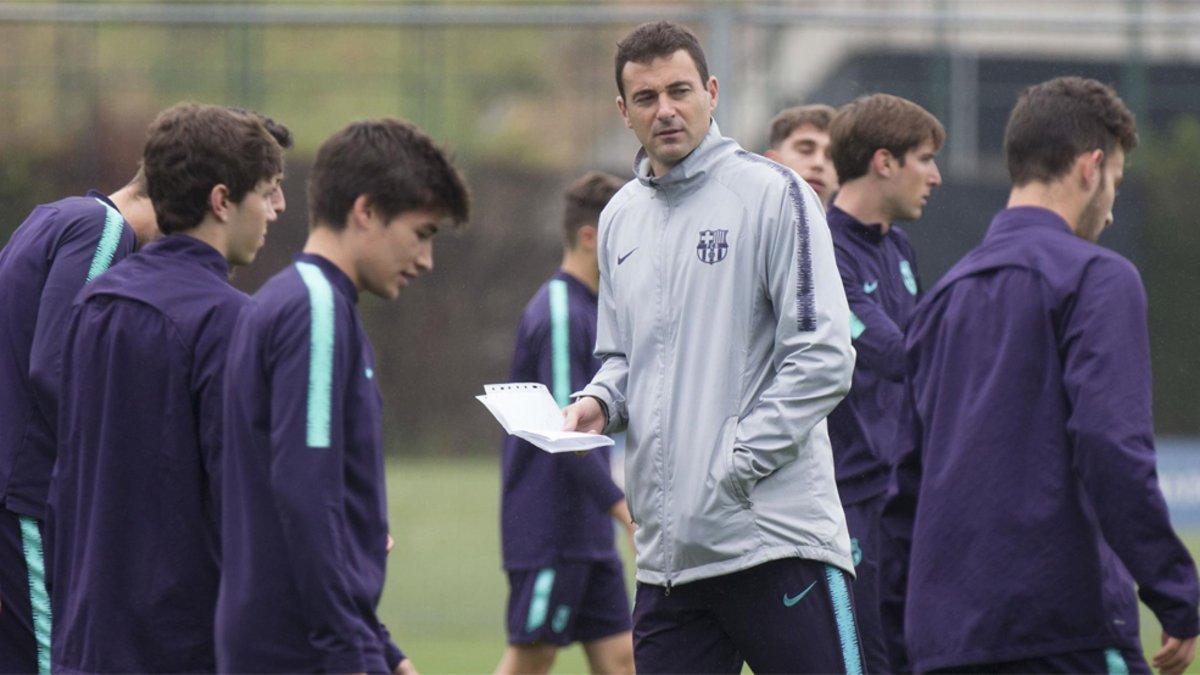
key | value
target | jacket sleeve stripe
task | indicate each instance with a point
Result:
(320, 359)
(560, 341)
(107, 248)
(806, 310)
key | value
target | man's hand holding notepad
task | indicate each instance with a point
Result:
(528, 411)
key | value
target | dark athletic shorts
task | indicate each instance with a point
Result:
(785, 616)
(569, 602)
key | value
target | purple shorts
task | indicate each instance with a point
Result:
(784, 616)
(569, 602)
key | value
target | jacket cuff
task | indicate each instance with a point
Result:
(606, 404)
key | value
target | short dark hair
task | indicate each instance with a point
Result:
(816, 115)
(278, 130)
(586, 198)
(191, 148)
(1056, 121)
(653, 40)
(390, 161)
(878, 121)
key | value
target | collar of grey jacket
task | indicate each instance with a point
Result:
(692, 167)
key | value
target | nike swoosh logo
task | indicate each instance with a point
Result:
(790, 602)
(870, 287)
(621, 258)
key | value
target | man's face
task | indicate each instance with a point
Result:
(909, 186)
(277, 200)
(1097, 215)
(667, 106)
(806, 151)
(247, 224)
(398, 251)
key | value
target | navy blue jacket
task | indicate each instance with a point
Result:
(60, 247)
(132, 507)
(879, 274)
(1027, 497)
(305, 529)
(555, 507)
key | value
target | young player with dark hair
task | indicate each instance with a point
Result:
(565, 578)
(1027, 505)
(59, 248)
(799, 140)
(305, 534)
(725, 341)
(883, 147)
(133, 501)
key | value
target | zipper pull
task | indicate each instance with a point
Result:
(668, 593)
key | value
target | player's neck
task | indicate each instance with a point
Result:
(1050, 196)
(332, 246)
(212, 232)
(582, 265)
(138, 211)
(862, 201)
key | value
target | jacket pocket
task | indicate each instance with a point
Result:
(731, 483)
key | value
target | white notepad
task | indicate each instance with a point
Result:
(528, 411)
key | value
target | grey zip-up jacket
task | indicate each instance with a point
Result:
(725, 339)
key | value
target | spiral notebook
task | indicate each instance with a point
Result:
(528, 411)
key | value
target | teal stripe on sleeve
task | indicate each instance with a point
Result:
(1115, 662)
(844, 615)
(107, 247)
(560, 341)
(539, 606)
(320, 359)
(857, 327)
(39, 599)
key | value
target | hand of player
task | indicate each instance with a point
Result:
(584, 415)
(1176, 655)
(391, 543)
(405, 667)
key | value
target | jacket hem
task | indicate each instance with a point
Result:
(752, 559)
(1017, 653)
(25, 507)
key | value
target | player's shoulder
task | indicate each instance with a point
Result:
(760, 182)
(535, 317)
(628, 194)
(289, 294)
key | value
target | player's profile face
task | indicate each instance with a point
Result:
(806, 151)
(247, 225)
(397, 252)
(1097, 214)
(277, 200)
(914, 182)
(667, 106)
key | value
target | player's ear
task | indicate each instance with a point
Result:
(624, 112)
(586, 236)
(883, 163)
(219, 202)
(361, 213)
(1090, 166)
(771, 155)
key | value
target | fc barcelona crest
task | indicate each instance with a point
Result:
(713, 246)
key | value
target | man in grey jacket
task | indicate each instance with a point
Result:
(725, 339)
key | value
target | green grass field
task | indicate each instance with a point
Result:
(444, 601)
